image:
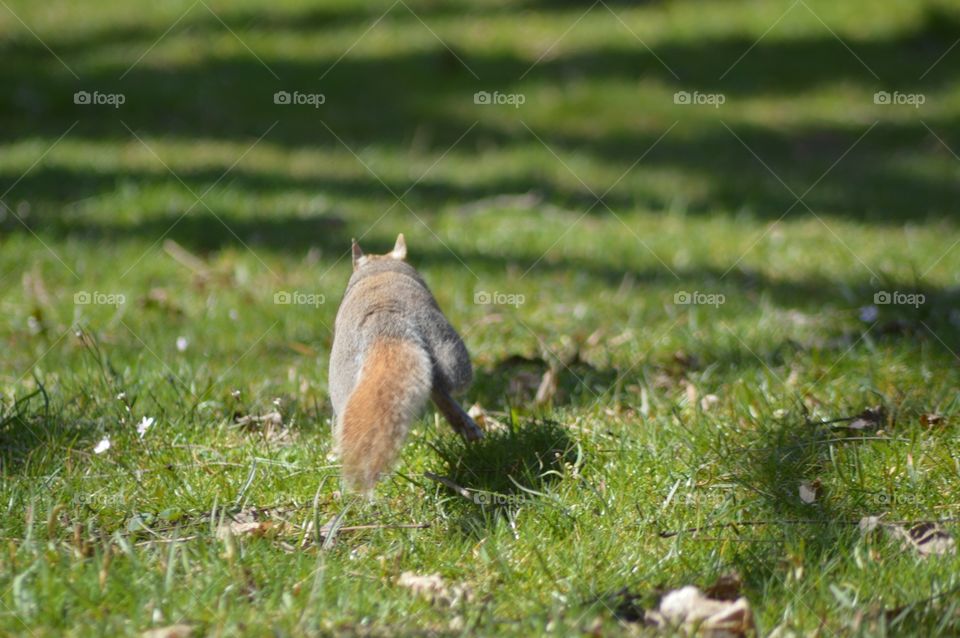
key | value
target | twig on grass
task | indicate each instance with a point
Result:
(462, 491)
(799, 521)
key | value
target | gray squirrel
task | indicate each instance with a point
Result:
(392, 350)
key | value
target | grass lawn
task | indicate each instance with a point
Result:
(690, 215)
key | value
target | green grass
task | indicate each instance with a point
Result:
(633, 199)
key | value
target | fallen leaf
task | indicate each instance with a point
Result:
(690, 610)
(929, 539)
(270, 418)
(930, 420)
(484, 420)
(250, 522)
(869, 419)
(727, 587)
(547, 388)
(691, 391)
(434, 588)
(926, 538)
(270, 424)
(173, 631)
(708, 401)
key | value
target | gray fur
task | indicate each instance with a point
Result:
(387, 298)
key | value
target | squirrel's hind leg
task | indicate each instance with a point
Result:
(459, 420)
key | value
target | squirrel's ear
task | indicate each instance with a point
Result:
(357, 254)
(400, 248)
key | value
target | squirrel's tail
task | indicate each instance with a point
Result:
(394, 384)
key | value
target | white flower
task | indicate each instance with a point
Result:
(102, 446)
(144, 425)
(182, 343)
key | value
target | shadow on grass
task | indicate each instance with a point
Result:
(429, 93)
(801, 538)
(514, 382)
(31, 426)
(504, 471)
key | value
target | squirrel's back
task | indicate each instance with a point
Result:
(392, 345)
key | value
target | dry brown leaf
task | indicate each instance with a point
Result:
(173, 631)
(869, 419)
(548, 387)
(251, 522)
(270, 419)
(809, 490)
(434, 588)
(270, 424)
(690, 610)
(708, 401)
(932, 419)
(926, 538)
(484, 420)
(691, 391)
(727, 587)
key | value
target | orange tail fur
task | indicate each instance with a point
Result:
(394, 385)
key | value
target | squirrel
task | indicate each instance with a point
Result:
(392, 350)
